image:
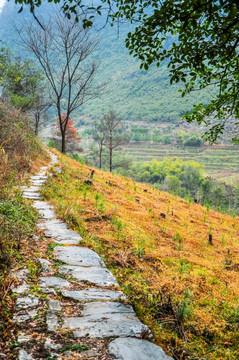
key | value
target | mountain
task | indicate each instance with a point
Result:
(134, 94)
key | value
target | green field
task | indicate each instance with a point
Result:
(220, 161)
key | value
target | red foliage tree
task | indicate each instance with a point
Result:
(71, 134)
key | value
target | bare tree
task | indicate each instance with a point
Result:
(63, 50)
(99, 137)
(113, 129)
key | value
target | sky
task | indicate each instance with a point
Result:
(1, 4)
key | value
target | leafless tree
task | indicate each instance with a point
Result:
(64, 50)
(114, 135)
(99, 137)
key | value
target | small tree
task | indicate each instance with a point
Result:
(71, 136)
(99, 138)
(113, 129)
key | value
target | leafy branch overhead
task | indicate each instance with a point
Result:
(198, 39)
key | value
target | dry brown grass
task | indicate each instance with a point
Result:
(154, 258)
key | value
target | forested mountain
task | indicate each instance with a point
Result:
(135, 94)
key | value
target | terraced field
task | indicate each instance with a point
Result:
(220, 161)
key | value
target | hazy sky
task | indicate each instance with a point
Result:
(1, 4)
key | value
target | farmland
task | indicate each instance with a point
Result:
(220, 161)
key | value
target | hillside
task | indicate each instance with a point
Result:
(157, 245)
(135, 94)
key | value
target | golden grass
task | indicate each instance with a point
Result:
(149, 255)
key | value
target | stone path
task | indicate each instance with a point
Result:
(76, 311)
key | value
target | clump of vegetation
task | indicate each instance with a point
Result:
(20, 154)
(185, 178)
(185, 289)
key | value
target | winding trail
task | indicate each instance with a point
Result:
(77, 310)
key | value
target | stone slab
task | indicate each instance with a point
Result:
(53, 281)
(105, 319)
(26, 302)
(94, 275)
(51, 321)
(24, 316)
(103, 308)
(47, 213)
(110, 326)
(24, 288)
(93, 294)
(136, 349)
(45, 266)
(76, 255)
(39, 204)
(23, 355)
(32, 196)
(54, 305)
(32, 189)
(57, 229)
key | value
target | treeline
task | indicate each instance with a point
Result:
(185, 179)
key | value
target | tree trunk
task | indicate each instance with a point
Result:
(63, 142)
(37, 119)
(111, 152)
(100, 156)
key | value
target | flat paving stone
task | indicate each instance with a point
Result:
(26, 302)
(29, 195)
(21, 275)
(21, 289)
(58, 230)
(53, 281)
(76, 255)
(54, 305)
(32, 189)
(47, 213)
(45, 266)
(24, 316)
(39, 204)
(105, 319)
(136, 349)
(51, 321)
(38, 177)
(94, 275)
(93, 294)
(23, 355)
(103, 308)
(111, 325)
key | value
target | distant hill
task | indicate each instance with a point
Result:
(135, 94)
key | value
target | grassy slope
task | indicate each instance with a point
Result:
(166, 267)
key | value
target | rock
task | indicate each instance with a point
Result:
(45, 265)
(21, 289)
(103, 308)
(51, 320)
(23, 338)
(20, 274)
(57, 229)
(39, 204)
(93, 294)
(76, 255)
(23, 355)
(95, 275)
(53, 281)
(31, 195)
(105, 319)
(47, 213)
(136, 349)
(50, 345)
(110, 326)
(25, 302)
(24, 316)
(54, 305)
